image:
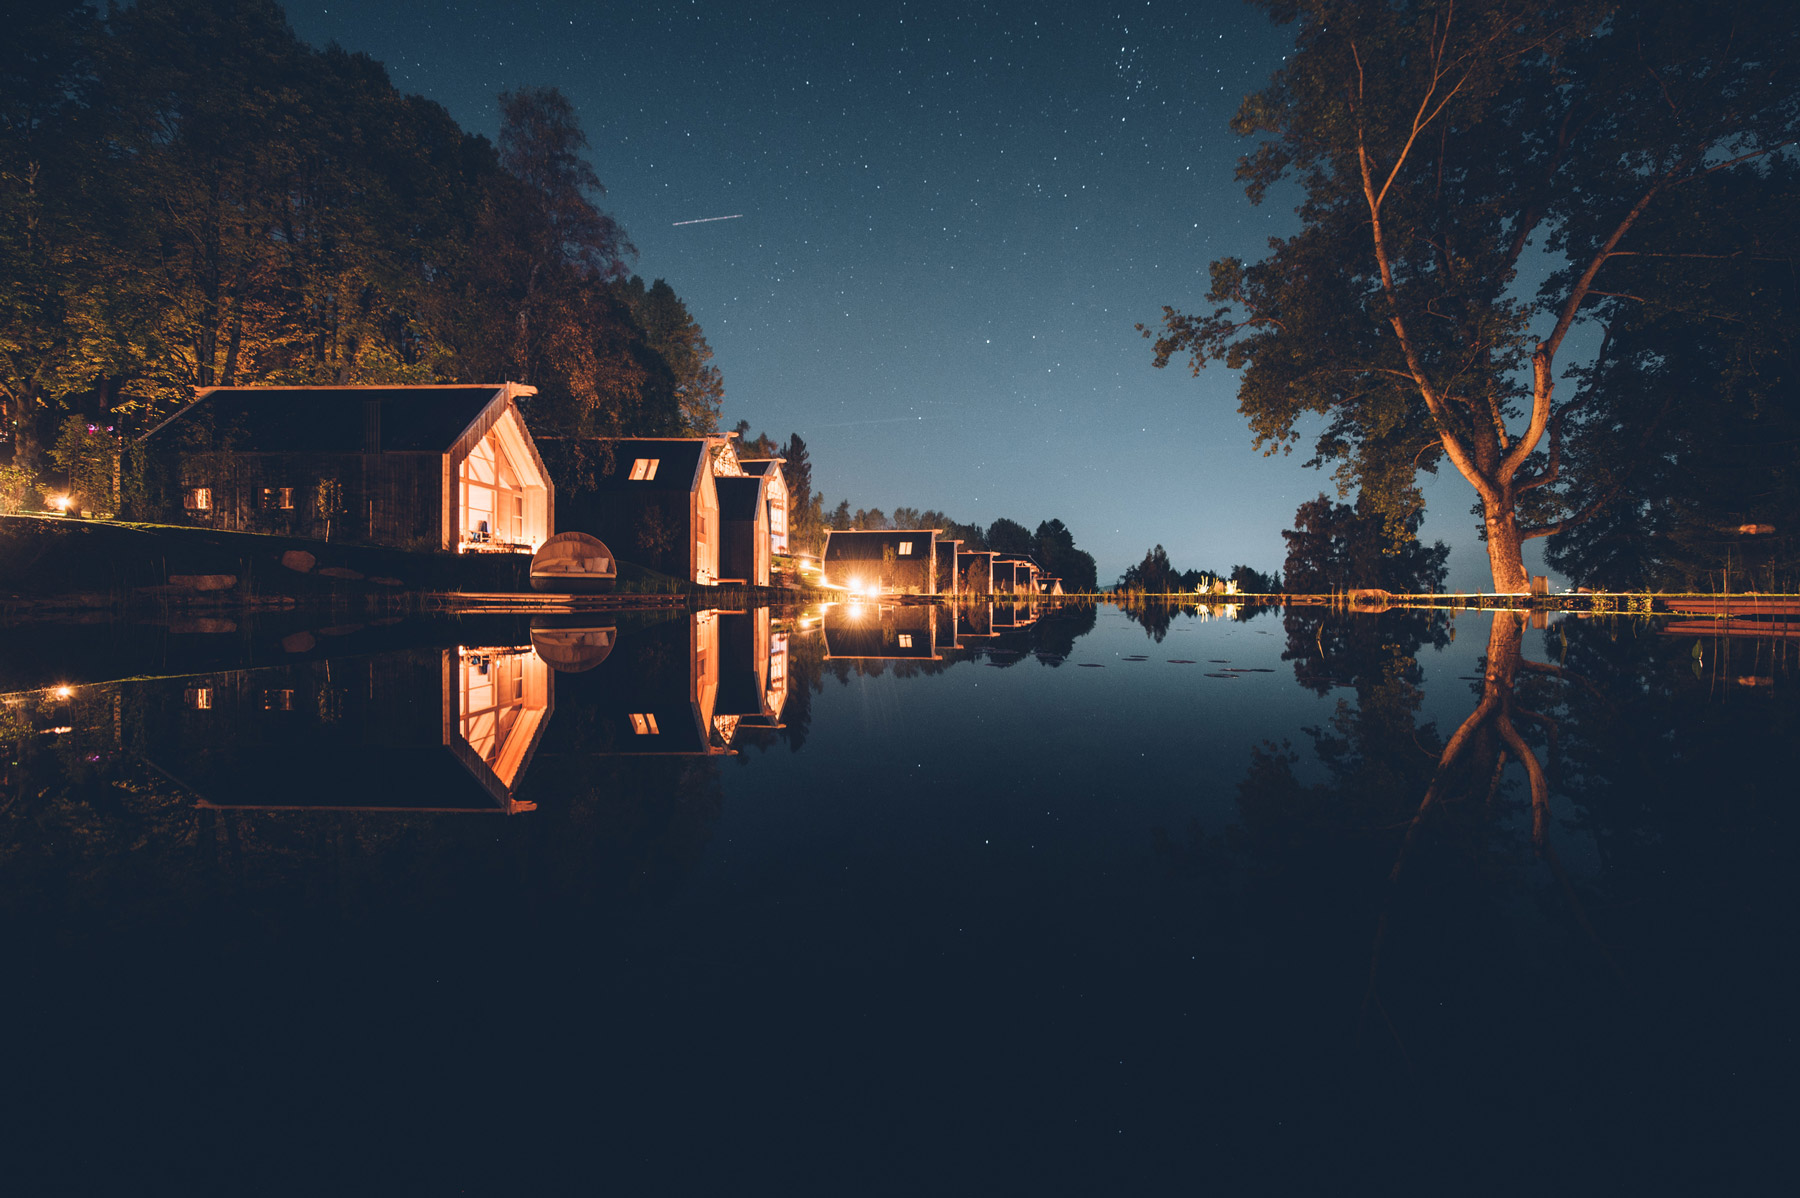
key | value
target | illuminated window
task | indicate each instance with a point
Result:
(644, 725)
(906, 640)
(278, 700)
(278, 499)
(200, 698)
(644, 469)
(197, 499)
(905, 548)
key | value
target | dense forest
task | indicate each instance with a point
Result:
(191, 196)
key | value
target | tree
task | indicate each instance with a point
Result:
(1710, 356)
(1334, 547)
(1434, 143)
(1153, 576)
(671, 331)
(1008, 536)
(1054, 549)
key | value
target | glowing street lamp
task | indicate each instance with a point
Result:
(61, 504)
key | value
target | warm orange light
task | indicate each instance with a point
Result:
(63, 692)
(60, 503)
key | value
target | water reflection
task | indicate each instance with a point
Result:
(1324, 864)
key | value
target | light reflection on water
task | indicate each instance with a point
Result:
(1004, 884)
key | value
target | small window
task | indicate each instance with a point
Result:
(644, 725)
(197, 499)
(906, 640)
(905, 548)
(278, 499)
(278, 700)
(200, 698)
(644, 469)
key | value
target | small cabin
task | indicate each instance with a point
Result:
(655, 501)
(775, 495)
(431, 467)
(945, 566)
(974, 572)
(882, 561)
(744, 530)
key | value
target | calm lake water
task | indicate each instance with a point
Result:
(898, 900)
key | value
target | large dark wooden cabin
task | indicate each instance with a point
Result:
(450, 467)
(656, 505)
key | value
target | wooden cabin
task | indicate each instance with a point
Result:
(744, 544)
(974, 572)
(656, 504)
(885, 561)
(435, 467)
(776, 495)
(945, 565)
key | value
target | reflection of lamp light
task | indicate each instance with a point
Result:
(855, 610)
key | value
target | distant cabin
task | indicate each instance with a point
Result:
(974, 572)
(776, 496)
(945, 567)
(886, 561)
(439, 467)
(657, 504)
(1015, 576)
(744, 525)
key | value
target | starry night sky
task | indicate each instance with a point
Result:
(952, 216)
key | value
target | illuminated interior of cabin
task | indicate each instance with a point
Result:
(502, 494)
(502, 700)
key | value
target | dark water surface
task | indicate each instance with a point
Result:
(899, 900)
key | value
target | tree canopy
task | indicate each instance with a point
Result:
(191, 196)
(1441, 148)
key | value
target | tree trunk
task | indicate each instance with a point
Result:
(1506, 550)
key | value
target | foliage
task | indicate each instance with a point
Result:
(1334, 547)
(89, 457)
(15, 488)
(1434, 143)
(191, 196)
(1153, 576)
(1009, 536)
(1711, 358)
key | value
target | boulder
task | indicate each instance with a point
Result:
(299, 560)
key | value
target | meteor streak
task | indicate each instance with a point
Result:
(709, 219)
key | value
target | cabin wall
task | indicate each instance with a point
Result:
(864, 559)
(391, 499)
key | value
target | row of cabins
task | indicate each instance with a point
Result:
(921, 561)
(456, 468)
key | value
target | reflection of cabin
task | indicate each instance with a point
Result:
(776, 495)
(881, 631)
(450, 730)
(889, 561)
(744, 530)
(655, 693)
(658, 503)
(974, 622)
(974, 572)
(448, 467)
(945, 566)
(752, 669)
(1010, 616)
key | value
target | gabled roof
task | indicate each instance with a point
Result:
(680, 463)
(762, 467)
(337, 419)
(740, 498)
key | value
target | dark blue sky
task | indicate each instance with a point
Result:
(952, 216)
